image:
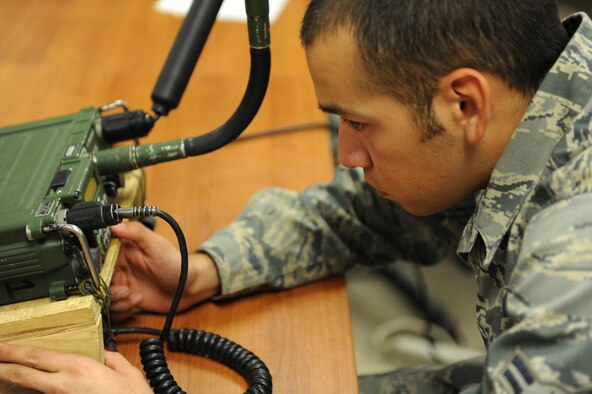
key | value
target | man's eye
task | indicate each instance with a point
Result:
(355, 126)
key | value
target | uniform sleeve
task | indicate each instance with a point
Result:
(549, 301)
(285, 238)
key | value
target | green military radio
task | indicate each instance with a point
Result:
(59, 176)
(48, 169)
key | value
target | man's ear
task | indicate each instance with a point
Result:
(463, 101)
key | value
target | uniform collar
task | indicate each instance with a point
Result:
(525, 157)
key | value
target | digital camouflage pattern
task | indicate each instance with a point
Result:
(528, 236)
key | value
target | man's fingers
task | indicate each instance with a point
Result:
(119, 363)
(119, 278)
(133, 231)
(31, 356)
(116, 361)
(123, 303)
(23, 376)
(126, 303)
(119, 292)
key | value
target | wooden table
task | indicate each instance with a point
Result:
(61, 55)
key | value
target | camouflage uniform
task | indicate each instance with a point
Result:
(528, 236)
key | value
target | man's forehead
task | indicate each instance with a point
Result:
(338, 39)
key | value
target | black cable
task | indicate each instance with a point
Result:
(283, 130)
(137, 330)
(189, 340)
(245, 112)
(182, 276)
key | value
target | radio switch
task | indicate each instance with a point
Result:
(60, 178)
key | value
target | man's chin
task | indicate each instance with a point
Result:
(385, 195)
(413, 209)
(419, 210)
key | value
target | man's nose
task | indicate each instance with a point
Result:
(351, 151)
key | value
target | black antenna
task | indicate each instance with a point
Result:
(174, 78)
(177, 70)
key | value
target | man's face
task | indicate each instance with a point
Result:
(379, 134)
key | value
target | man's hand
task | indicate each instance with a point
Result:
(147, 273)
(49, 371)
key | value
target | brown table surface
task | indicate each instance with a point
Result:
(59, 56)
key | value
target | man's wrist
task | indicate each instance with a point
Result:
(203, 282)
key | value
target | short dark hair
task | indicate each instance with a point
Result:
(406, 46)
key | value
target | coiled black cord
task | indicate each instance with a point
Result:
(225, 351)
(202, 343)
(191, 341)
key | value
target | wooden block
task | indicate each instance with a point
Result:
(73, 325)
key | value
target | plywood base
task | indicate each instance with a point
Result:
(73, 325)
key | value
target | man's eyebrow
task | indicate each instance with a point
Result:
(336, 109)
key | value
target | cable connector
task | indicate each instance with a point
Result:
(128, 125)
(93, 215)
(136, 212)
